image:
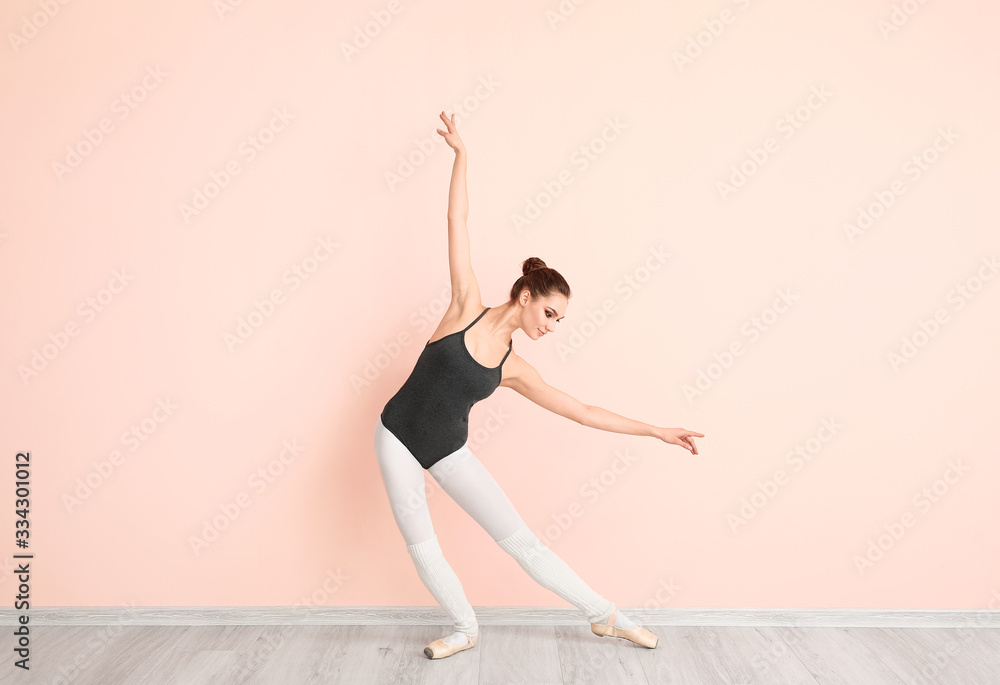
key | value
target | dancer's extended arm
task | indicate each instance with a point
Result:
(525, 379)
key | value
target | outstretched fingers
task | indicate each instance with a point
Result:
(688, 436)
(450, 123)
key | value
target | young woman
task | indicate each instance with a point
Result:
(424, 426)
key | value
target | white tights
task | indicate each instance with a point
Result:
(466, 480)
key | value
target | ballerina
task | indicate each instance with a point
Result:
(424, 426)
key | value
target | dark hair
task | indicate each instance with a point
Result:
(540, 280)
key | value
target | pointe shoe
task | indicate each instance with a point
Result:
(640, 635)
(440, 649)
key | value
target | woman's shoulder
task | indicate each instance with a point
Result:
(457, 317)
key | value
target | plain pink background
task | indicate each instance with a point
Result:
(318, 370)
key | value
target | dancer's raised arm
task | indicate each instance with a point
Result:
(463, 280)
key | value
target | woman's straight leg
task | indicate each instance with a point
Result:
(473, 488)
(403, 477)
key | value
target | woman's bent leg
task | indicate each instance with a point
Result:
(467, 481)
(403, 477)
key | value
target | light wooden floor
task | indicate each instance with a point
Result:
(292, 655)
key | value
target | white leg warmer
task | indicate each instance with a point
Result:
(441, 580)
(550, 571)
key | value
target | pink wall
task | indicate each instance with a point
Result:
(143, 395)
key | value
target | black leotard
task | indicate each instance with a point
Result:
(430, 412)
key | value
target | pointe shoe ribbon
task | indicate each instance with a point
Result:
(639, 636)
(440, 649)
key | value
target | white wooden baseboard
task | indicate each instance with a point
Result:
(413, 615)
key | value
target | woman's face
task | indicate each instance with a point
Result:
(541, 315)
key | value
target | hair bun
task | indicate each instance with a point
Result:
(532, 264)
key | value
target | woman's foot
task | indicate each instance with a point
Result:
(446, 646)
(619, 625)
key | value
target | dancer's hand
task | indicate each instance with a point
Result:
(680, 436)
(451, 137)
